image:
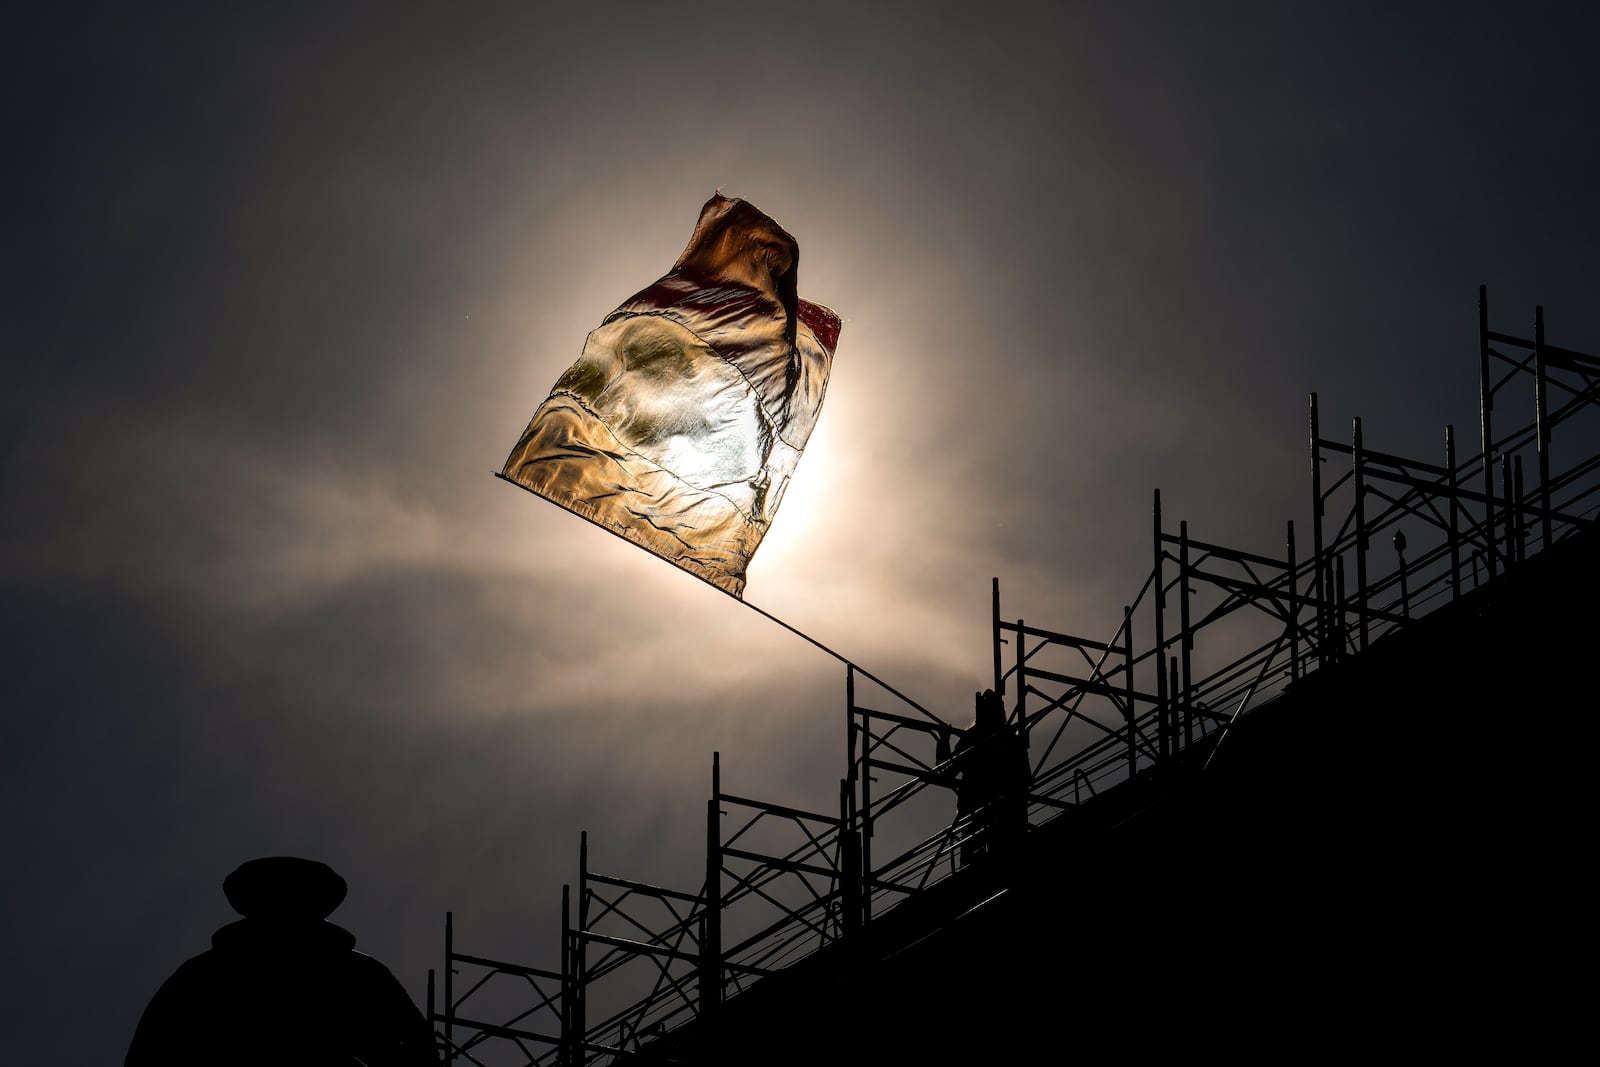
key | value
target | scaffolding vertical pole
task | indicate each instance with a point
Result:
(1186, 636)
(1172, 672)
(449, 986)
(1339, 603)
(849, 862)
(1294, 605)
(1127, 666)
(865, 772)
(1522, 515)
(1020, 718)
(567, 995)
(1326, 653)
(711, 916)
(1486, 426)
(1541, 415)
(1510, 504)
(854, 775)
(580, 959)
(1163, 711)
(1361, 533)
(431, 1007)
(1316, 532)
(850, 728)
(999, 678)
(1455, 512)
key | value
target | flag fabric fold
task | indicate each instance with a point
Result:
(683, 419)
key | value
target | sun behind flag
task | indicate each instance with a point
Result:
(680, 424)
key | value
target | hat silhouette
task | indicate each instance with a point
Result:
(284, 887)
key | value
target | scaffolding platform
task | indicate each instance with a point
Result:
(1358, 825)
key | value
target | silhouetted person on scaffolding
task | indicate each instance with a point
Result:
(282, 986)
(992, 761)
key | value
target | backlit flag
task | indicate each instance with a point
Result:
(682, 421)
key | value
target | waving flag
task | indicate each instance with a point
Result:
(682, 421)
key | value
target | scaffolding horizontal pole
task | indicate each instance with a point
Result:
(639, 946)
(733, 966)
(1269, 590)
(1226, 553)
(1206, 712)
(643, 887)
(1058, 638)
(902, 720)
(508, 968)
(1553, 354)
(777, 809)
(795, 925)
(900, 794)
(871, 883)
(1101, 688)
(1572, 474)
(777, 864)
(1402, 462)
(616, 1052)
(1432, 488)
(925, 774)
(1386, 457)
(496, 1030)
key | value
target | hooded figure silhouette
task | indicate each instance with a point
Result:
(282, 986)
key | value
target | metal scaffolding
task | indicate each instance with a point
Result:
(785, 886)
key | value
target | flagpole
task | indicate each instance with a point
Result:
(741, 600)
(836, 655)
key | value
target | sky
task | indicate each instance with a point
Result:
(283, 286)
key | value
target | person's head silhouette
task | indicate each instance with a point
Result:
(991, 711)
(284, 888)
